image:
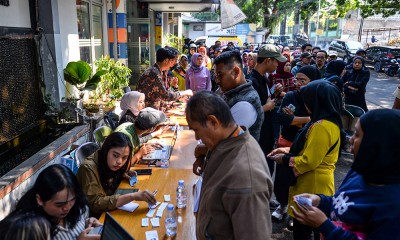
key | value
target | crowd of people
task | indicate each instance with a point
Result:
(256, 113)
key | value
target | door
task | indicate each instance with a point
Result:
(138, 39)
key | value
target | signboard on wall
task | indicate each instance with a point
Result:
(215, 29)
(198, 27)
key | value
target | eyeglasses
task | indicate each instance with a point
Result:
(302, 80)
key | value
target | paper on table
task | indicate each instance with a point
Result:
(152, 235)
(155, 222)
(160, 210)
(145, 222)
(167, 197)
(196, 195)
(130, 207)
(151, 213)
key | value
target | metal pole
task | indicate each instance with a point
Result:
(316, 35)
(114, 15)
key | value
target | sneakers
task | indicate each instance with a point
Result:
(279, 213)
(273, 204)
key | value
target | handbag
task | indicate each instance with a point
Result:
(288, 171)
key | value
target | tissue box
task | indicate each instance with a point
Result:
(69, 161)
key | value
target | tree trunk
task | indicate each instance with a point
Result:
(283, 26)
(296, 27)
(306, 23)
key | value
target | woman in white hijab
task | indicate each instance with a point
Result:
(131, 104)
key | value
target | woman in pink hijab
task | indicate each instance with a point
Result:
(131, 104)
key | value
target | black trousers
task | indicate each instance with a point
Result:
(281, 185)
(303, 232)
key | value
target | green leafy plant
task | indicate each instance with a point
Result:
(116, 77)
(78, 74)
(174, 41)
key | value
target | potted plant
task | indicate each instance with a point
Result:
(112, 82)
(78, 74)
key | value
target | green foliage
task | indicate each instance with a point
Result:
(78, 73)
(343, 6)
(116, 77)
(174, 41)
(384, 7)
(206, 16)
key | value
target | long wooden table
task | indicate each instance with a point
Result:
(165, 181)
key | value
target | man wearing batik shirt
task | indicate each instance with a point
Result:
(152, 82)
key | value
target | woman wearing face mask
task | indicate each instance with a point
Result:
(198, 77)
(57, 195)
(101, 174)
(355, 83)
(315, 150)
(180, 72)
(366, 205)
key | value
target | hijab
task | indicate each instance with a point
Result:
(130, 101)
(324, 100)
(280, 71)
(311, 72)
(362, 61)
(193, 66)
(378, 157)
(333, 71)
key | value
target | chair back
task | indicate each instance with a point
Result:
(101, 133)
(84, 151)
(111, 119)
(350, 116)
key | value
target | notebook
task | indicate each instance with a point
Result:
(112, 230)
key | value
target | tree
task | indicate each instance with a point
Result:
(384, 7)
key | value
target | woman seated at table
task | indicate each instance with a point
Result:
(366, 206)
(57, 195)
(101, 174)
(131, 104)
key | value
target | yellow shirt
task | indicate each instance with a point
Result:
(315, 166)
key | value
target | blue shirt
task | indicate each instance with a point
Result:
(376, 209)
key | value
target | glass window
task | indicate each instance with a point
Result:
(90, 29)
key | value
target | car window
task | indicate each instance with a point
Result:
(352, 45)
(395, 52)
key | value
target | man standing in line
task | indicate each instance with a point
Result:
(304, 48)
(267, 62)
(305, 60)
(321, 61)
(239, 93)
(236, 180)
(153, 81)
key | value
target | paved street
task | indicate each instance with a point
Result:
(380, 90)
(379, 95)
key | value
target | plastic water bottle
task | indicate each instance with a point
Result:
(181, 194)
(164, 163)
(170, 221)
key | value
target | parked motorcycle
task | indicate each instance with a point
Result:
(392, 68)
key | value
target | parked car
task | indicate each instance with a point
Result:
(380, 57)
(345, 49)
(283, 40)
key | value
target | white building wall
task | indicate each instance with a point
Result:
(15, 15)
(66, 39)
(195, 34)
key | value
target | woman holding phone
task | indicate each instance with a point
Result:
(366, 205)
(57, 195)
